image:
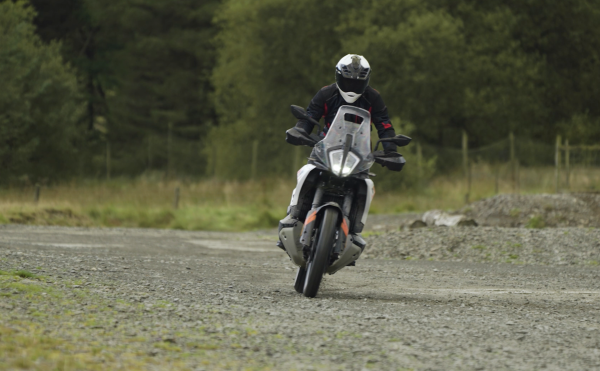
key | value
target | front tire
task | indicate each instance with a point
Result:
(320, 258)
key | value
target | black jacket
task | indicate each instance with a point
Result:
(328, 100)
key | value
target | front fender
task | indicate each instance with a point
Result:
(311, 219)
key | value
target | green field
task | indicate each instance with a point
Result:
(229, 206)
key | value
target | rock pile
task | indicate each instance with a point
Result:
(550, 246)
(507, 210)
(536, 211)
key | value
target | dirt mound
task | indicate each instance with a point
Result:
(537, 211)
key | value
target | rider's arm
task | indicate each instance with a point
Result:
(382, 122)
(316, 109)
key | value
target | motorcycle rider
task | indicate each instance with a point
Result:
(352, 75)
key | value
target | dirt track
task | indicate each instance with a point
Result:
(226, 301)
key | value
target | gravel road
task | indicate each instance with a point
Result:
(158, 299)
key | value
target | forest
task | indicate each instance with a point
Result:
(186, 88)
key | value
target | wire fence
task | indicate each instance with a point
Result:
(511, 164)
(520, 164)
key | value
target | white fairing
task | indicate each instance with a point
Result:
(370, 194)
(349, 97)
(302, 174)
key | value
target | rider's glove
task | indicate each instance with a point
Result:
(389, 148)
(305, 125)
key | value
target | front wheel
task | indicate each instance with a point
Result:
(320, 257)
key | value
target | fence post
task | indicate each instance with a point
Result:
(169, 148)
(149, 152)
(419, 163)
(496, 178)
(36, 194)
(214, 161)
(107, 159)
(567, 167)
(557, 164)
(513, 175)
(465, 150)
(176, 198)
(468, 195)
(518, 176)
(254, 159)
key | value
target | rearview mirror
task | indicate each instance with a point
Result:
(401, 140)
(301, 114)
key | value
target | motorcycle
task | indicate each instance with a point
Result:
(329, 206)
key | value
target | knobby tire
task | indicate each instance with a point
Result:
(320, 260)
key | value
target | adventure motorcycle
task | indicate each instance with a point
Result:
(332, 198)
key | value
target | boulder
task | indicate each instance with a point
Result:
(441, 218)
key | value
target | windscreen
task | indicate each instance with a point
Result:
(350, 123)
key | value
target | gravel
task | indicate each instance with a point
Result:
(557, 246)
(235, 308)
(513, 211)
(548, 210)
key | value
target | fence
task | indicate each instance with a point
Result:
(515, 164)
(512, 164)
(576, 166)
(157, 156)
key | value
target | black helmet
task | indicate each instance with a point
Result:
(352, 76)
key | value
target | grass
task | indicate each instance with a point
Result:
(25, 274)
(52, 338)
(536, 222)
(235, 206)
(209, 205)
(19, 273)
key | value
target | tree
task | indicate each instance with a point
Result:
(272, 54)
(141, 64)
(39, 100)
(161, 73)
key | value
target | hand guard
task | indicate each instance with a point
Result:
(392, 160)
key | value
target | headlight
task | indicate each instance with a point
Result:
(342, 170)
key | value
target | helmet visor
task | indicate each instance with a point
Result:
(356, 86)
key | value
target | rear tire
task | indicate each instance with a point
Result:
(300, 279)
(320, 258)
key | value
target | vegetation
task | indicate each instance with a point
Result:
(442, 66)
(98, 88)
(39, 99)
(536, 222)
(25, 274)
(223, 205)
(41, 334)
(148, 204)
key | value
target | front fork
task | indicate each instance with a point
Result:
(345, 226)
(311, 220)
